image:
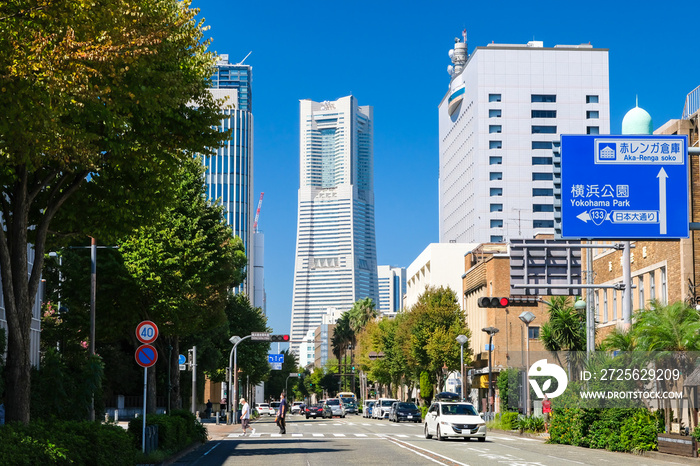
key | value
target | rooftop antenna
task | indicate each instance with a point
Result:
(241, 62)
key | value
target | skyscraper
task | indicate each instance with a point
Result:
(336, 258)
(229, 173)
(505, 106)
(392, 287)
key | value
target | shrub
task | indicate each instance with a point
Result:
(529, 424)
(509, 421)
(639, 431)
(175, 431)
(66, 442)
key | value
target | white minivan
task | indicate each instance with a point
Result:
(382, 407)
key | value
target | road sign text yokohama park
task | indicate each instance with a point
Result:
(624, 187)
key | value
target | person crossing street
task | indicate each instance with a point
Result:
(282, 414)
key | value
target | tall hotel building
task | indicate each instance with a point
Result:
(505, 106)
(336, 258)
(392, 287)
(229, 172)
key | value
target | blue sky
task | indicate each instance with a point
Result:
(393, 55)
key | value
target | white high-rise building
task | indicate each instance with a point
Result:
(336, 258)
(505, 106)
(392, 287)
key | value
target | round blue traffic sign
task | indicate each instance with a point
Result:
(182, 359)
(146, 355)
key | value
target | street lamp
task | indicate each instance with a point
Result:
(235, 340)
(527, 317)
(461, 339)
(491, 331)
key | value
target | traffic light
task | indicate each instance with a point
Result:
(493, 302)
(283, 338)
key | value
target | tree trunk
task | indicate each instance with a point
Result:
(151, 390)
(176, 395)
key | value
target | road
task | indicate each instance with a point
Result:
(355, 440)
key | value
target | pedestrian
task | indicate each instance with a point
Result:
(281, 415)
(245, 415)
(546, 411)
(209, 405)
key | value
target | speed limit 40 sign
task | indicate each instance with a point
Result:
(147, 332)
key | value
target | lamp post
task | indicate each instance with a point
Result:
(232, 388)
(580, 305)
(527, 317)
(444, 377)
(491, 331)
(461, 339)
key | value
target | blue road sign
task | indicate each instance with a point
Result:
(182, 359)
(624, 187)
(146, 355)
(275, 358)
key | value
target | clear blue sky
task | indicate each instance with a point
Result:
(393, 55)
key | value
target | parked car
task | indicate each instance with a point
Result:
(382, 407)
(333, 407)
(447, 419)
(367, 408)
(314, 411)
(403, 411)
(296, 407)
(264, 408)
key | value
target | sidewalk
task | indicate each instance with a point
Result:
(221, 431)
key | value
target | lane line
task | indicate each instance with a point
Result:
(210, 450)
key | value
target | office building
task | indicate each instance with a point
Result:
(229, 173)
(336, 259)
(505, 106)
(392, 287)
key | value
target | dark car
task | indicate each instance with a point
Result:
(403, 411)
(314, 411)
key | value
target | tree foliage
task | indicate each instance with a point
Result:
(114, 91)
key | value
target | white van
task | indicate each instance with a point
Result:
(382, 407)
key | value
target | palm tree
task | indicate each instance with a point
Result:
(342, 337)
(362, 312)
(565, 331)
(667, 328)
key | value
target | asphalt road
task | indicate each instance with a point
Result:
(355, 440)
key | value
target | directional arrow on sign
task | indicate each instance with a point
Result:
(584, 216)
(662, 200)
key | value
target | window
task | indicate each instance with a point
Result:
(542, 160)
(544, 114)
(605, 306)
(496, 239)
(495, 176)
(542, 129)
(591, 99)
(663, 297)
(494, 113)
(496, 207)
(496, 223)
(542, 208)
(494, 97)
(541, 144)
(496, 192)
(652, 285)
(542, 176)
(495, 145)
(543, 98)
(614, 305)
(591, 114)
(592, 130)
(640, 285)
(543, 224)
(495, 160)
(536, 192)
(494, 128)
(533, 333)
(597, 305)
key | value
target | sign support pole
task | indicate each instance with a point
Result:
(194, 380)
(143, 430)
(627, 282)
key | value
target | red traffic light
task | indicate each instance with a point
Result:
(280, 338)
(493, 302)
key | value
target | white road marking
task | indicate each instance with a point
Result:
(317, 435)
(339, 435)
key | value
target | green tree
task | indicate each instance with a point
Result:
(112, 91)
(362, 311)
(343, 336)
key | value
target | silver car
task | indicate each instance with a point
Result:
(336, 407)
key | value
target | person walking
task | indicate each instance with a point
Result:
(245, 415)
(282, 414)
(547, 412)
(209, 406)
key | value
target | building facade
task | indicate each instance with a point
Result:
(438, 265)
(392, 287)
(336, 259)
(505, 106)
(229, 172)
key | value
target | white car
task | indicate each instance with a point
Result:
(382, 407)
(296, 407)
(446, 419)
(264, 408)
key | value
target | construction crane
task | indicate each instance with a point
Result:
(257, 213)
